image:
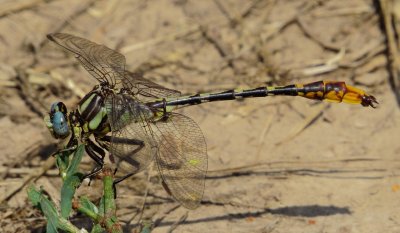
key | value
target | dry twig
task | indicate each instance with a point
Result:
(389, 16)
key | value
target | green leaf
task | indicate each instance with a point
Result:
(71, 183)
(76, 160)
(97, 229)
(51, 229)
(86, 203)
(62, 162)
(51, 214)
(34, 195)
(46, 206)
(68, 189)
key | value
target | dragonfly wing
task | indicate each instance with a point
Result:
(108, 66)
(182, 158)
(103, 63)
(147, 88)
(132, 142)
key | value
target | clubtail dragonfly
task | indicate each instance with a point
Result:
(132, 118)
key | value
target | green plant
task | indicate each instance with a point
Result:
(102, 215)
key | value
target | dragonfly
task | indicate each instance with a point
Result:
(133, 118)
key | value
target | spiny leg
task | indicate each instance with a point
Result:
(71, 146)
(117, 181)
(128, 158)
(97, 154)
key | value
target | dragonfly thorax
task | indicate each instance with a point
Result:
(92, 112)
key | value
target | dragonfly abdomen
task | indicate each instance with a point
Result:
(334, 91)
(322, 90)
(228, 95)
(210, 97)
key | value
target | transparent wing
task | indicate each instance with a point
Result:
(147, 88)
(108, 66)
(104, 64)
(182, 158)
(132, 142)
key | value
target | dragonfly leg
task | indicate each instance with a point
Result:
(165, 115)
(128, 141)
(97, 154)
(71, 146)
(97, 149)
(128, 158)
(120, 180)
(131, 161)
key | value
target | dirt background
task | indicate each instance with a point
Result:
(276, 164)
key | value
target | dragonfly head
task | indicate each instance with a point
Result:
(57, 121)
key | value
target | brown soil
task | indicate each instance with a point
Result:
(278, 164)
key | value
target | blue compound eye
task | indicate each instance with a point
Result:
(58, 120)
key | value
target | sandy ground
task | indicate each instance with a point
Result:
(278, 164)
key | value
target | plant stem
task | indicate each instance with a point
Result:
(68, 226)
(86, 211)
(110, 218)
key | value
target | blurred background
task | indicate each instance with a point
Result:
(276, 164)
